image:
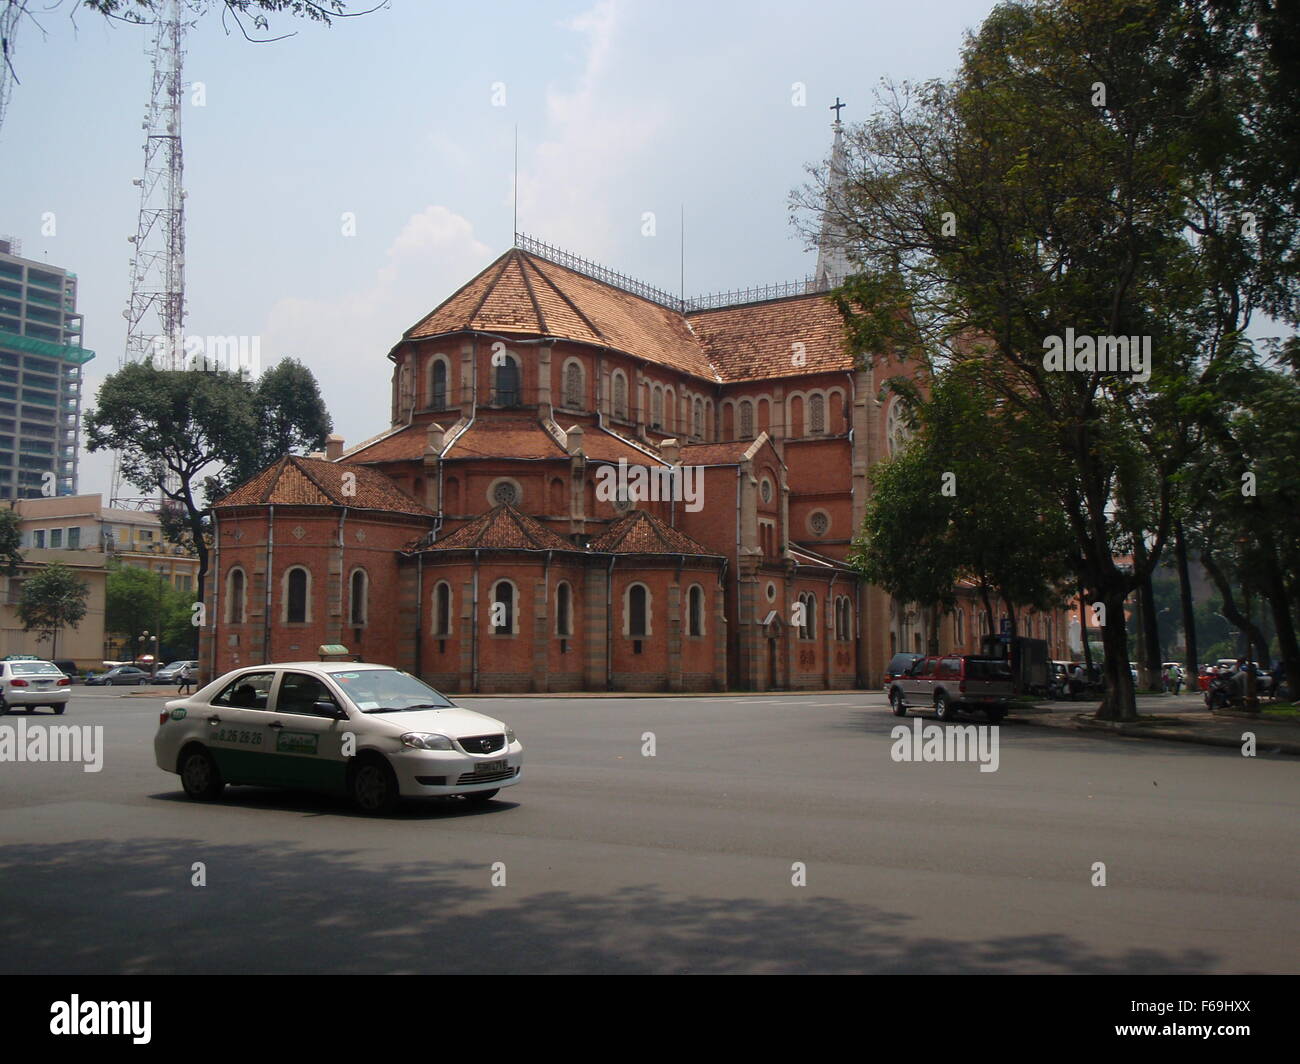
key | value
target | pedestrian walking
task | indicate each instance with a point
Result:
(185, 681)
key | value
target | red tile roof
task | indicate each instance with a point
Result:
(502, 527)
(404, 445)
(297, 481)
(642, 533)
(505, 437)
(709, 454)
(521, 293)
(755, 341)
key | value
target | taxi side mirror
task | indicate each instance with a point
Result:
(330, 710)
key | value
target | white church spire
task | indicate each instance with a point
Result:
(832, 258)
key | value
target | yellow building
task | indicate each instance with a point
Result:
(83, 644)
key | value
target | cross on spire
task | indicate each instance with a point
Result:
(837, 107)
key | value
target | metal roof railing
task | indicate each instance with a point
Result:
(711, 301)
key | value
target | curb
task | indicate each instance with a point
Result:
(1138, 731)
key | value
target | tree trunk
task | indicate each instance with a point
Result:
(1248, 627)
(1083, 628)
(1150, 633)
(1190, 655)
(1279, 602)
(1120, 700)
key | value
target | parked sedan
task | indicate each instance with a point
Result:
(32, 684)
(369, 731)
(122, 675)
(172, 673)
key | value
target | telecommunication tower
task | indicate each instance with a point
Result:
(155, 312)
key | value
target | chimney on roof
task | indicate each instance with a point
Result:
(670, 450)
(574, 437)
(333, 448)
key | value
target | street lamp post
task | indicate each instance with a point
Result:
(146, 638)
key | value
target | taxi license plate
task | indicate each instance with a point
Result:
(489, 766)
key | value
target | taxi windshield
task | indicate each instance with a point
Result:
(387, 691)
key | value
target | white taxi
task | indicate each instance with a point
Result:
(369, 731)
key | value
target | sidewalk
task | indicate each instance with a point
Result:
(1181, 718)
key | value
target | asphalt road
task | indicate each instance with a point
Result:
(682, 862)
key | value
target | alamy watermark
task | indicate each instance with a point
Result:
(76, 743)
(636, 484)
(226, 354)
(1098, 354)
(933, 742)
(77, 1017)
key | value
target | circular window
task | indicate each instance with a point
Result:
(771, 592)
(504, 491)
(818, 523)
(765, 489)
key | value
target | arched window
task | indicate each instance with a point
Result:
(442, 609)
(817, 413)
(698, 418)
(502, 615)
(236, 584)
(746, 420)
(360, 597)
(695, 610)
(563, 609)
(808, 630)
(794, 427)
(638, 611)
(656, 407)
(297, 596)
(843, 620)
(959, 626)
(506, 387)
(573, 386)
(620, 395)
(438, 384)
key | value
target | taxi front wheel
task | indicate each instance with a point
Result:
(374, 787)
(199, 775)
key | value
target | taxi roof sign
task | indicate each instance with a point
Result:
(331, 650)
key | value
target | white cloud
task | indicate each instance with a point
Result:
(596, 138)
(344, 340)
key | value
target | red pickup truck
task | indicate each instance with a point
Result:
(948, 684)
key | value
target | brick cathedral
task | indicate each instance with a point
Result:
(476, 543)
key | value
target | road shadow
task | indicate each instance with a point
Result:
(108, 907)
(316, 803)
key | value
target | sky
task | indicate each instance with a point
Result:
(405, 120)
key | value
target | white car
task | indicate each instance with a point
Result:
(32, 684)
(369, 731)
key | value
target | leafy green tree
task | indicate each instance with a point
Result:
(172, 428)
(1085, 170)
(139, 600)
(11, 540)
(53, 599)
(291, 419)
(964, 498)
